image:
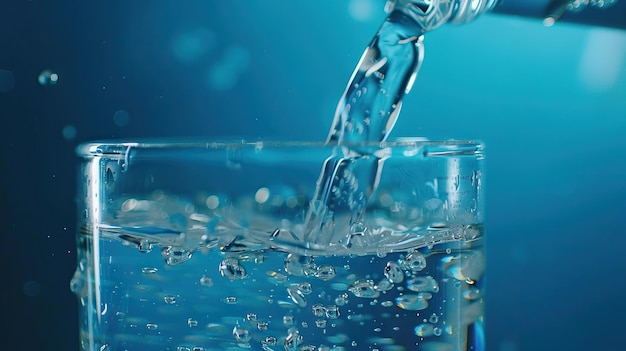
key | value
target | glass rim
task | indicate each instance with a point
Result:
(113, 146)
(122, 146)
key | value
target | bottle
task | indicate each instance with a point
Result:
(430, 14)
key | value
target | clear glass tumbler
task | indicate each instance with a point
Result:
(198, 246)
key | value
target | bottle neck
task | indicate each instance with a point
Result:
(430, 14)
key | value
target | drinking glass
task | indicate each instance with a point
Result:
(198, 246)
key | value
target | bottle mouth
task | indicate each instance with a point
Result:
(430, 14)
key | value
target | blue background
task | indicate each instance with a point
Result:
(550, 104)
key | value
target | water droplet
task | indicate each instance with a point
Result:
(104, 347)
(192, 322)
(231, 269)
(152, 326)
(412, 302)
(424, 330)
(393, 272)
(47, 77)
(414, 262)
(241, 334)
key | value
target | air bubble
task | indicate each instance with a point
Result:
(269, 341)
(149, 270)
(262, 326)
(341, 300)
(298, 266)
(231, 299)
(296, 296)
(412, 302)
(423, 284)
(414, 262)
(424, 330)
(169, 299)
(231, 269)
(364, 289)
(206, 281)
(325, 272)
(393, 272)
(305, 288)
(152, 326)
(384, 285)
(433, 318)
(321, 323)
(288, 321)
(318, 310)
(332, 312)
(192, 322)
(471, 294)
(241, 334)
(175, 255)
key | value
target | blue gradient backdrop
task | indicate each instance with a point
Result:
(550, 104)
